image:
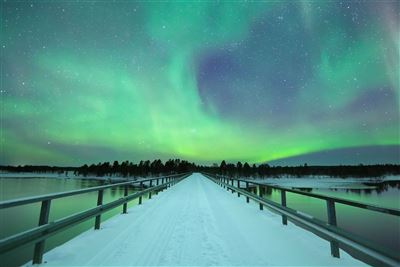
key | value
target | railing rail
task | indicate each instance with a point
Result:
(29, 200)
(45, 229)
(328, 230)
(357, 204)
(335, 199)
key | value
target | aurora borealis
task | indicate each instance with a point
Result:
(94, 81)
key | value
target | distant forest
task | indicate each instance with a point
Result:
(157, 167)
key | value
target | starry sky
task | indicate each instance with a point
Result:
(90, 81)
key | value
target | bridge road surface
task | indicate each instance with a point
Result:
(196, 222)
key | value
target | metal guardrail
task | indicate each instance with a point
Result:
(329, 231)
(45, 229)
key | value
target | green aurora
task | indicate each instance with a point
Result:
(84, 82)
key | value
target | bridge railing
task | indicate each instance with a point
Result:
(45, 229)
(328, 230)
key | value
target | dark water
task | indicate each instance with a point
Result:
(381, 229)
(16, 219)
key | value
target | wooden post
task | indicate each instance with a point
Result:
(99, 203)
(260, 195)
(126, 203)
(283, 202)
(162, 182)
(157, 183)
(330, 204)
(238, 185)
(151, 184)
(247, 189)
(43, 219)
(141, 188)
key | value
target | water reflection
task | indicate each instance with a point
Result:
(365, 223)
(309, 190)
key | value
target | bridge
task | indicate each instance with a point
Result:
(199, 221)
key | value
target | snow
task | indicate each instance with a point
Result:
(326, 182)
(196, 222)
(34, 175)
(291, 182)
(64, 176)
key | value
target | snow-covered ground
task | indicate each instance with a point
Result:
(4, 174)
(326, 182)
(63, 176)
(293, 182)
(196, 222)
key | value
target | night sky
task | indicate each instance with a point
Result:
(90, 81)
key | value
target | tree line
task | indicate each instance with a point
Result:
(239, 169)
(143, 168)
(265, 170)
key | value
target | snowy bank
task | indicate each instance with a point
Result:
(326, 182)
(64, 176)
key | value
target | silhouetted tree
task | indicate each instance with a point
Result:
(239, 167)
(246, 169)
(115, 168)
(222, 167)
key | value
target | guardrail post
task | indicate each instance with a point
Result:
(260, 195)
(247, 198)
(330, 204)
(99, 203)
(238, 185)
(140, 198)
(157, 183)
(151, 184)
(126, 203)
(43, 219)
(283, 203)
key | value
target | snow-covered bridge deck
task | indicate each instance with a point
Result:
(196, 222)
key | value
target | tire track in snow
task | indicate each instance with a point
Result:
(145, 252)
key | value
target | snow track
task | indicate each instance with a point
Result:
(196, 222)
